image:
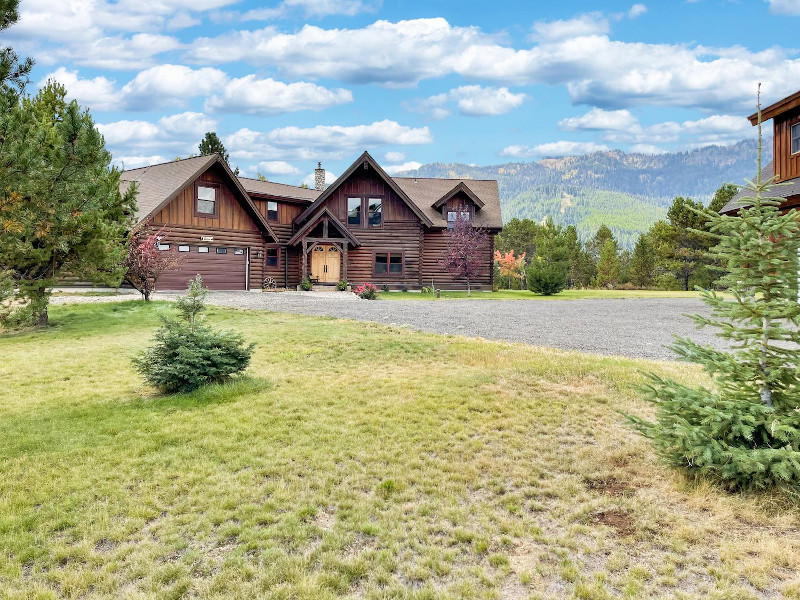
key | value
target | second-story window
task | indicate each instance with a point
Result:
(354, 211)
(272, 210)
(795, 138)
(206, 200)
(375, 212)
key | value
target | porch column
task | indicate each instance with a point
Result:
(305, 259)
(344, 260)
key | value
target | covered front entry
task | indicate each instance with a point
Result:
(326, 262)
(324, 240)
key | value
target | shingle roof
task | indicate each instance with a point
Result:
(785, 189)
(159, 182)
(425, 191)
(281, 190)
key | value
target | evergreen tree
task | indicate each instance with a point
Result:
(595, 245)
(608, 267)
(211, 144)
(722, 196)
(642, 263)
(681, 243)
(13, 70)
(745, 429)
(61, 211)
(518, 235)
(548, 270)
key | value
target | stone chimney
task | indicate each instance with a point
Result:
(319, 178)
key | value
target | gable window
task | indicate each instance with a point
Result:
(206, 200)
(388, 263)
(272, 210)
(795, 138)
(454, 215)
(375, 215)
(354, 211)
(272, 257)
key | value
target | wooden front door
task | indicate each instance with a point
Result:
(326, 263)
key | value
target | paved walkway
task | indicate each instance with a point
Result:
(640, 328)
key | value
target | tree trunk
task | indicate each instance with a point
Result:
(469, 291)
(685, 283)
(39, 300)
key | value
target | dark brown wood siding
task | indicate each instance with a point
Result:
(231, 215)
(434, 248)
(787, 165)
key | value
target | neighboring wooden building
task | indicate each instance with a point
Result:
(785, 163)
(241, 233)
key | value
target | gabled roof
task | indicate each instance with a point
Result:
(424, 192)
(785, 189)
(159, 184)
(460, 187)
(776, 109)
(311, 223)
(365, 158)
(279, 190)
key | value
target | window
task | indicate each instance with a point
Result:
(374, 212)
(272, 257)
(222, 250)
(354, 211)
(272, 211)
(238, 251)
(453, 215)
(202, 249)
(388, 263)
(206, 200)
(795, 138)
(183, 248)
(163, 246)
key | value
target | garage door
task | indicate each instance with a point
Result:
(222, 268)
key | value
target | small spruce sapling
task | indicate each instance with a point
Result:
(186, 354)
(743, 431)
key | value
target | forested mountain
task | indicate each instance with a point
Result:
(627, 192)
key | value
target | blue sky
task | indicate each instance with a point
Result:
(291, 82)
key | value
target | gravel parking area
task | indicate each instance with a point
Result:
(639, 328)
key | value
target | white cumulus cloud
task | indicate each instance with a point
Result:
(250, 95)
(471, 100)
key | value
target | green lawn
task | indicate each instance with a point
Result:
(356, 460)
(527, 295)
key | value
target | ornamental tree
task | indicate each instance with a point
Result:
(744, 430)
(145, 263)
(464, 255)
(510, 266)
(61, 211)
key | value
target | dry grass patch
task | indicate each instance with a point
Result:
(357, 460)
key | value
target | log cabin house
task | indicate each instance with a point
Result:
(241, 233)
(785, 163)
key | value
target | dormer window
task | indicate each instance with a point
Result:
(796, 138)
(453, 216)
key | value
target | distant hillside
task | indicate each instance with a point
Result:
(627, 192)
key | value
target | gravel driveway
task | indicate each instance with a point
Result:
(639, 328)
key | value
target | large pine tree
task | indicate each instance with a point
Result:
(61, 211)
(744, 429)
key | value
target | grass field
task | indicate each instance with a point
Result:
(356, 460)
(527, 295)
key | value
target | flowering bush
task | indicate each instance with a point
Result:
(366, 291)
(342, 285)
